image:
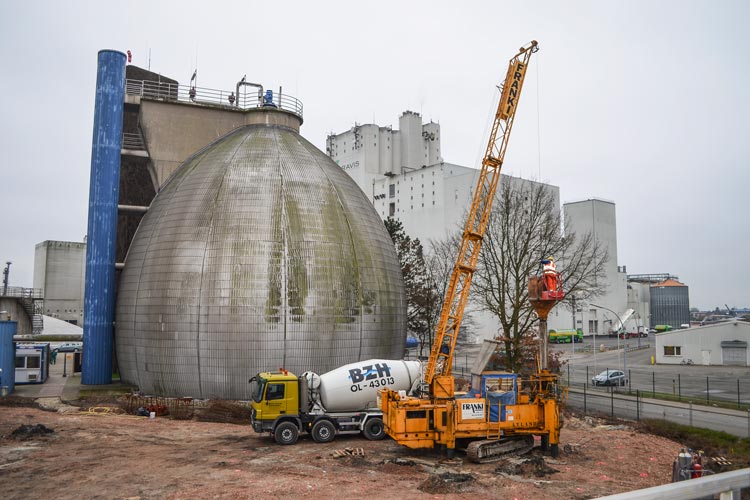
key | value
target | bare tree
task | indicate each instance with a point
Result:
(421, 292)
(440, 261)
(525, 226)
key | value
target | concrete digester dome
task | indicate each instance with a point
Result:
(259, 253)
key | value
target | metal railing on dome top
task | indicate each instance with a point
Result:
(248, 98)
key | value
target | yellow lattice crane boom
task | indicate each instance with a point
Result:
(501, 413)
(441, 356)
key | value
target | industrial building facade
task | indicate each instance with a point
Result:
(405, 176)
(598, 217)
(59, 271)
(717, 344)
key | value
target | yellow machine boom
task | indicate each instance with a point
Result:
(441, 356)
(442, 418)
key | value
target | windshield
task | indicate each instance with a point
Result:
(257, 388)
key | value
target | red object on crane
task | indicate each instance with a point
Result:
(130, 57)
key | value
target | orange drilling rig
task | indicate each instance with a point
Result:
(501, 413)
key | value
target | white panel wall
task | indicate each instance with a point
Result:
(60, 268)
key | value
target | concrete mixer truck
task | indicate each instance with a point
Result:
(342, 401)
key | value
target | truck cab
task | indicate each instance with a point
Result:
(275, 397)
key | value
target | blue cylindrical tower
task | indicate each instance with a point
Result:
(7, 355)
(102, 228)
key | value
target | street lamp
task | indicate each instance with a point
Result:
(624, 350)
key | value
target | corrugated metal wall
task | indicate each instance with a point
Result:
(259, 253)
(670, 305)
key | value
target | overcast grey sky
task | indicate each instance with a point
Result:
(642, 103)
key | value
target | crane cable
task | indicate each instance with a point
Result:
(538, 123)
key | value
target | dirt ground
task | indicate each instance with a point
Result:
(104, 455)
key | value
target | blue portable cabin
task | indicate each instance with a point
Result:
(32, 363)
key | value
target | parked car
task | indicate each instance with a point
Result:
(70, 347)
(610, 377)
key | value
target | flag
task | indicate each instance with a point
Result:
(195, 75)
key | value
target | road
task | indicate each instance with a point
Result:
(689, 382)
(601, 400)
(583, 361)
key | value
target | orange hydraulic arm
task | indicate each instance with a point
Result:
(441, 356)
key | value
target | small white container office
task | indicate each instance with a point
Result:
(32, 363)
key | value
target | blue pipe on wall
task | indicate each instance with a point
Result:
(104, 188)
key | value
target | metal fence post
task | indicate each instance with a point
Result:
(653, 384)
(691, 413)
(706, 389)
(738, 394)
(612, 402)
(679, 388)
(569, 377)
(584, 402)
(629, 381)
(637, 406)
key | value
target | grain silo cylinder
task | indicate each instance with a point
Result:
(259, 253)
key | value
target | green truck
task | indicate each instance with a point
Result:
(565, 336)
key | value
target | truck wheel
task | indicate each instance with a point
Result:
(323, 431)
(286, 433)
(374, 429)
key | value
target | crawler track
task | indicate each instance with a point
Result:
(491, 450)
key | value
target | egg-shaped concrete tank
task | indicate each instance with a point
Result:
(259, 253)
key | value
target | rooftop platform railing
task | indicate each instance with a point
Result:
(248, 98)
(21, 292)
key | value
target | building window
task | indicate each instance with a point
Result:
(392, 209)
(33, 362)
(672, 350)
(593, 326)
(391, 190)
